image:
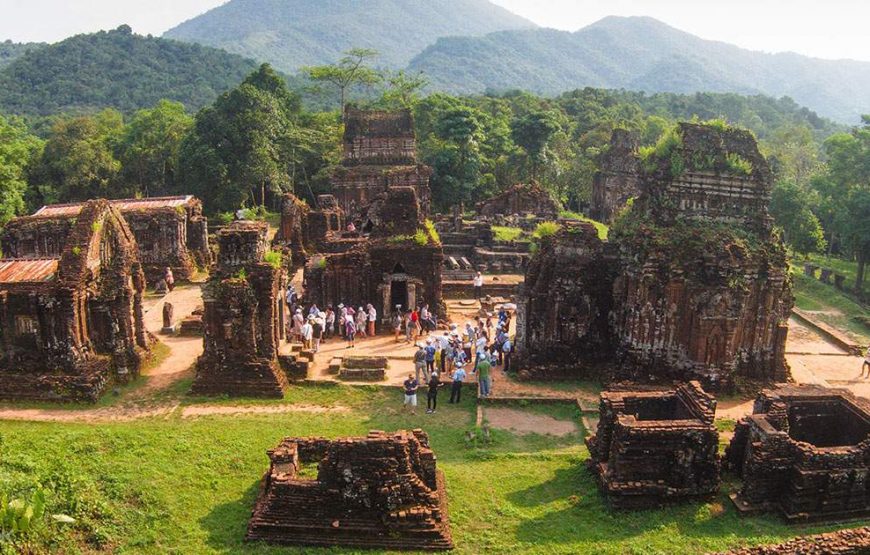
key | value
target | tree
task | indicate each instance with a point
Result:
(533, 132)
(790, 207)
(349, 71)
(78, 161)
(849, 169)
(18, 149)
(403, 90)
(148, 149)
(240, 147)
(457, 163)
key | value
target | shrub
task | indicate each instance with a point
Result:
(433, 233)
(737, 164)
(274, 258)
(546, 229)
(421, 237)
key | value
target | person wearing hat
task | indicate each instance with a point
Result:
(430, 356)
(456, 387)
(432, 395)
(478, 286)
(396, 322)
(420, 362)
(361, 318)
(329, 323)
(372, 317)
(307, 333)
(298, 322)
(350, 331)
(318, 323)
(342, 321)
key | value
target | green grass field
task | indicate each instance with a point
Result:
(188, 485)
(830, 305)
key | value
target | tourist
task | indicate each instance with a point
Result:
(456, 388)
(397, 322)
(307, 333)
(866, 364)
(361, 319)
(420, 362)
(410, 326)
(478, 286)
(444, 343)
(330, 322)
(507, 348)
(351, 228)
(313, 311)
(298, 322)
(411, 386)
(430, 357)
(480, 350)
(432, 396)
(169, 278)
(500, 338)
(372, 318)
(484, 379)
(415, 322)
(350, 332)
(318, 326)
(342, 320)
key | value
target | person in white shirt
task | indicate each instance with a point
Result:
(373, 317)
(478, 286)
(307, 333)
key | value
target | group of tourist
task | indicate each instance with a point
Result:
(479, 346)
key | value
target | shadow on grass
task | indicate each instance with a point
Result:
(227, 523)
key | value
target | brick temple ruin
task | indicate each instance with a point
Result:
(618, 177)
(380, 153)
(697, 283)
(71, 307)
(243, 321)
(398, 263)
(804, 452)
(655, 446)
(851, 541)
(380, 491)
(521, 200)
(305, 231)
(169, 231)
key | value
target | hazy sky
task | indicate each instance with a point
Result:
(822, 28)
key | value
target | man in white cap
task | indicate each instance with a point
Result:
(478, 286)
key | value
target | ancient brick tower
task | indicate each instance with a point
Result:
(243, 318)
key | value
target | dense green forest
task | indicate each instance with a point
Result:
(117, 69)
(11, 51)
(257, 141)
(290, 34)
(642, 54)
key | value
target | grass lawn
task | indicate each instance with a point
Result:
(505, 233)
(603, 229)
(830, 305)
(847, 268)
(188, 485)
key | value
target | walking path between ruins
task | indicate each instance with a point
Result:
(813, 360)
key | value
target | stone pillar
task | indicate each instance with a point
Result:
(168, 326)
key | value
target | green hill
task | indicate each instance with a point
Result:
(294, 33)
(117, 69)
(639, 53)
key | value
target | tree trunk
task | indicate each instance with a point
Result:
(263, 193)
(831, 244)
(341, 104)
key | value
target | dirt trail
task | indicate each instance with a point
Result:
(524, 422)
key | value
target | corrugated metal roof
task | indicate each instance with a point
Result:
(122, 205)
(36, 270)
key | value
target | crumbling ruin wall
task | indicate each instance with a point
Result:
(805, 452)
(852, 541)
(73, 325)
(521, 199)
(655, 446)
(161, 234)
(618, 177)
(36, 236)
(243, 318)
(567, 300)
(380, 491)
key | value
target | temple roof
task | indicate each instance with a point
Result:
(31, 270)
(123, 205)
(370, 123)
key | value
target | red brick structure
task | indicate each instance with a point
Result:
(804, 452)
(522, 200)
(852, 541)
(243, 320)
(71, 316)
(655, 446)
(381, 491)
(305, 231)
(380, 153)
(700, 286)
(618, 177)
(399, 263)
(169, 231)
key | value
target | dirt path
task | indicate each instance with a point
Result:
(524, 422)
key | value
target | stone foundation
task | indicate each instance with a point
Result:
(382, 491)
(804, 452)
(655, 446)
(854, 541)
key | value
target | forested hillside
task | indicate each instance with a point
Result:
(290, 34)
(117, 69)
(641, 54)
(11, 51)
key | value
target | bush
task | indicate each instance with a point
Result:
(546, 229)
(274, 258)
(433, 233)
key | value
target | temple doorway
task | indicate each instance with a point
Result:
(399, 294)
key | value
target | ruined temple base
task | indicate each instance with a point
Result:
(254, 379)
(854, 541)
(272, 523)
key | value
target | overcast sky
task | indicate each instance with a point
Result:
(821, 28)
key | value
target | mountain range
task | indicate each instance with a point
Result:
(290, 34)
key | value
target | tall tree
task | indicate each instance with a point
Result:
(78, 162)
(18, 149)
(148, 149)
(790, 207)
(533, 132)
(349, 71)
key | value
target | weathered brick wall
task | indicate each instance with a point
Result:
(521, 199)
(380, 491)
(618, 178)
(852, 541)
